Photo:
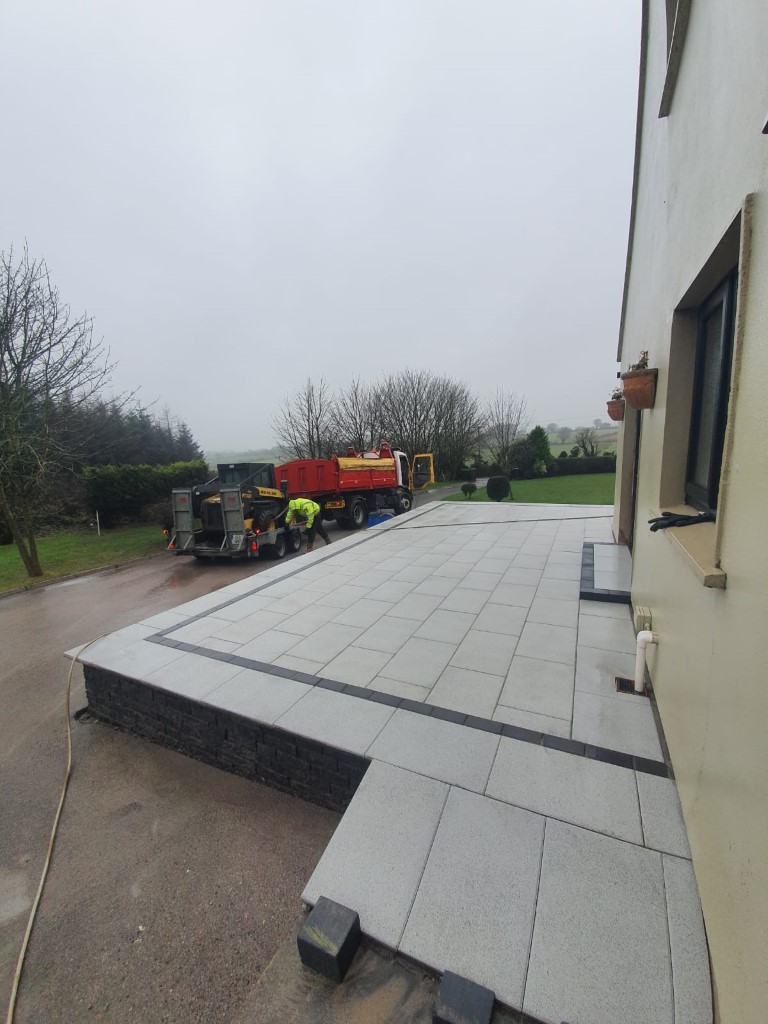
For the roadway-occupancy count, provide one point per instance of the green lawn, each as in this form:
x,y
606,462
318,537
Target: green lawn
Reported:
x,y
589,489
79,550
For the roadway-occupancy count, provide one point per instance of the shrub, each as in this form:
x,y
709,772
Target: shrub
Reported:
x,y
563,454
554,469
498,488
120,493
575,452
468,489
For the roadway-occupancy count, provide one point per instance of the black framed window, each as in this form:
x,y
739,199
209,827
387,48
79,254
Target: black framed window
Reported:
x,y
711,387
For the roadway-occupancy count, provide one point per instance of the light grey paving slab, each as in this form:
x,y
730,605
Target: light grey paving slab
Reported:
x,y
663,825
565,558
391,591
492,563
605,609
398,688
480,581
192,675
436,585
626,725
553,571
438,749
356,665
387,634
501,618
452,570
269,645
314,668
596,672
293,603
136,660
527,560
688,943
420,661
244,630
308,620
362,613
336,719
94,651
257,695
244,607
345,596
327,642
447,626
607,634
612,579
430,560
530,720
522,577
206,603
212,643
548,643
472,692
372,578
554,612
164,620
413,574
542,687
598,900
559,590
416,606
461,600
485,652
474,909
594,794
325,584
518,595
375,859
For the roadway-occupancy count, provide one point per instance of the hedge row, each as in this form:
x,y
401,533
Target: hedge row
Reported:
x,y
590,464
121,492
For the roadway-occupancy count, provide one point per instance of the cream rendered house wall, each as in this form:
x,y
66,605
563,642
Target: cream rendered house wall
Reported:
x,y
710,668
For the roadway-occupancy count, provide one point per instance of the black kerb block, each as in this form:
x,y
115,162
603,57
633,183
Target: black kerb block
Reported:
x,y
460,1001
329,938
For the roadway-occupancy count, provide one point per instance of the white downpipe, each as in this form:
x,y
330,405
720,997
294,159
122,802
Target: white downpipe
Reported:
x,y
644,637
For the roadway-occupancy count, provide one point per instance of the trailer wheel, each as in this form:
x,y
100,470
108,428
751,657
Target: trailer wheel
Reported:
x,y
276,550
358,514
294,541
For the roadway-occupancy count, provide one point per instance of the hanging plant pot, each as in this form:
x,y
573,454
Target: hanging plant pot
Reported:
x,y
616,409
640,388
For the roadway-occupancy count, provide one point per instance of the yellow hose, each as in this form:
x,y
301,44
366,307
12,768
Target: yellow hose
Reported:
x,y
51,841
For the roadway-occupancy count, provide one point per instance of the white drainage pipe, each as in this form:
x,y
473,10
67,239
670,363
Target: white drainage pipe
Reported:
x,y
644,637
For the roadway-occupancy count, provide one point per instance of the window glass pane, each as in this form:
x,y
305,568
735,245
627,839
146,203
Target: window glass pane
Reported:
x,y
711,357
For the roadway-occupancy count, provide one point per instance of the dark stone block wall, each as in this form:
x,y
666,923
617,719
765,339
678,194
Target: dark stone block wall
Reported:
x,y
302,767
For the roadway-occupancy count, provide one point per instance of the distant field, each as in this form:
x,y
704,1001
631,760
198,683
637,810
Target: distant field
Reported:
x,y
79,550
589,489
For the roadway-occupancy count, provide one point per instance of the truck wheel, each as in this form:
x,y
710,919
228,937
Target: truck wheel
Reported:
x,y
403,503
358,514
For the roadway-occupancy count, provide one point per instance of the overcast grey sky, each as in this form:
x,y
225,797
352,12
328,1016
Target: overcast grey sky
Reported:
x,y
244,194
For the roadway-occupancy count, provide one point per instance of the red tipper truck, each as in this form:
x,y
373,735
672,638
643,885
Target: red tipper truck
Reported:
x,y
348,488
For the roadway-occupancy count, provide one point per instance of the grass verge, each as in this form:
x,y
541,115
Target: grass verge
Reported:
x,y
589,489
78,551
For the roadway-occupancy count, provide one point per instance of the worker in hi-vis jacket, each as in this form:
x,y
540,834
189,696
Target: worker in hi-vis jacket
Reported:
x,y
307,511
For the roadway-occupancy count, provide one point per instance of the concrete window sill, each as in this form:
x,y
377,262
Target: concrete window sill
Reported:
x,y
696,546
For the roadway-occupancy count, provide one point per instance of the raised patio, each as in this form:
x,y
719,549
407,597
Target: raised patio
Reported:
x,y
516,824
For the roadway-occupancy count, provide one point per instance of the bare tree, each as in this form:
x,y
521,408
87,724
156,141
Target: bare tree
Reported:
x,y
507,421
563,433
50,368
587,442
304,427
357,417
